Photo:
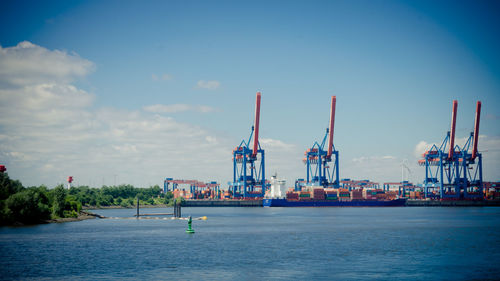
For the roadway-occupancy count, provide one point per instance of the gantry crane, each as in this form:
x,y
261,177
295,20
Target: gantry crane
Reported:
x,y
249,179
456,173
318,158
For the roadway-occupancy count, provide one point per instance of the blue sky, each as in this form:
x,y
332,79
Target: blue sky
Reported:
x,y
187,72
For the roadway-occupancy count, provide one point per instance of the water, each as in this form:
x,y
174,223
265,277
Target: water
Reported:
x,y
262,244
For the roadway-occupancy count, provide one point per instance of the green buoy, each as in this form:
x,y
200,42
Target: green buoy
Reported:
x,y
189,230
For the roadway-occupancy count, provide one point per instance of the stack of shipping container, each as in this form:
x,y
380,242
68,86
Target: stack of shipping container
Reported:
x,y
416,195
343,194
369,194
304,195
357,194
318,193
291,195
331,194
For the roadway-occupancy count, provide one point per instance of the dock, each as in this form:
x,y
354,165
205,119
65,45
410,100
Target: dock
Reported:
x,y
409,203
222,203
452,203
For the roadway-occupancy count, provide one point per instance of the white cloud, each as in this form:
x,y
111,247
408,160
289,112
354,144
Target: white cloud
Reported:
x,y
28,64
210,85
275,144
211,139
125,148
420,148
50,129
369,159
174,108
283,158
377,168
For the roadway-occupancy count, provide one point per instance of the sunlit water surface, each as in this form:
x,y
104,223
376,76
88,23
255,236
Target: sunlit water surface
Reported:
x,y
262,244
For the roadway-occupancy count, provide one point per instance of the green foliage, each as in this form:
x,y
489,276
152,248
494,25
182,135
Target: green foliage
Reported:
x,y
125,203
27,206
72,204
8,186
169,199
150,201
70,214
59,203
104,200
122,195
169,195
34,204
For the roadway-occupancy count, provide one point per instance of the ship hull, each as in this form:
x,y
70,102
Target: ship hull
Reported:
x,y
332,203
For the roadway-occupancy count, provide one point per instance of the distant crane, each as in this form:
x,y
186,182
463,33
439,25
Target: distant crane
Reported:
x,y
249,178
404,166
317,158
456,172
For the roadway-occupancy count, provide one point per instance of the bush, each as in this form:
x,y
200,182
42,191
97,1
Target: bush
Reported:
x,y
104,200
28,206
59,204
125,203
8,187
33,204
169,195
70,214
72,205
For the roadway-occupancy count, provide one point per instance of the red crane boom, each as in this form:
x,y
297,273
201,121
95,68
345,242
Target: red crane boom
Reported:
x,y
452,133
476,130
256,125
332,124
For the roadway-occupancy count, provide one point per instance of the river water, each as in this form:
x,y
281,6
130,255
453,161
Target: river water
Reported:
x,y
262,244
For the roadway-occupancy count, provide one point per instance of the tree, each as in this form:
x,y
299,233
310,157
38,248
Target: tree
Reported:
x,y
169,198
27,206
59,203
8,186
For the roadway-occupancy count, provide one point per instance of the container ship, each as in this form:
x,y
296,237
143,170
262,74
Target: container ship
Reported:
x,y
277,202
332,197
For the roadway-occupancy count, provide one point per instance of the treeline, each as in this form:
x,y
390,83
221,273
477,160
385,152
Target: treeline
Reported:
x,y
31,205
124,195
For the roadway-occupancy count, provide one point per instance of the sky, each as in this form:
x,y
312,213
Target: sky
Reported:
x,y
114,92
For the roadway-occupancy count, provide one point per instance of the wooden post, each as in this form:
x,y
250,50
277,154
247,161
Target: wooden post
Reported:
x,y
175,209
137,206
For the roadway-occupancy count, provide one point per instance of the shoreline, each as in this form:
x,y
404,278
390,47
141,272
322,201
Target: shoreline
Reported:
x,y
82,216
258,203
121,207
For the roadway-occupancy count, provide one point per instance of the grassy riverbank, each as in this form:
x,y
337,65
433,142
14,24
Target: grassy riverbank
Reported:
x,y
81,216
21,205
